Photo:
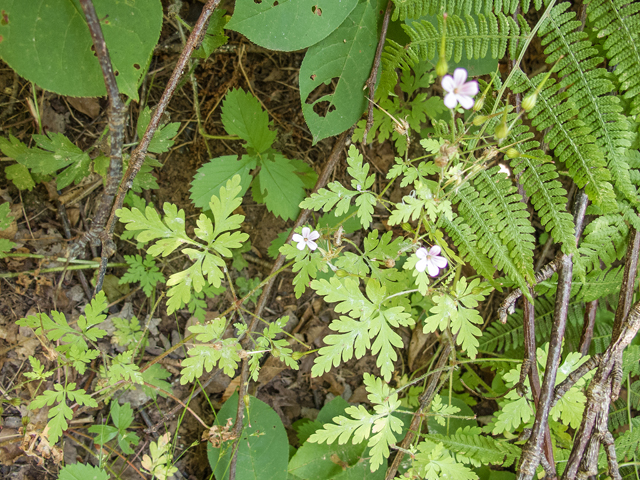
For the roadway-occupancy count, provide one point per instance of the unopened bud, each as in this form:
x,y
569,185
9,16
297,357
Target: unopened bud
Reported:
x,y
342,273
501,131
298,355
529,102
247,399
479,120
25,421
479,104
442,67
512,153
390,263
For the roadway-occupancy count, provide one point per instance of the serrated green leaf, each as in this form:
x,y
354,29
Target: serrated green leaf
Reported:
x,y
80,471
242,115
282,188
55,33
216,173
289,25
335,57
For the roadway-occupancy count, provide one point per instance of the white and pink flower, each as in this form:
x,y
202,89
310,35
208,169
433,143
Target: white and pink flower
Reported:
x,y
459,90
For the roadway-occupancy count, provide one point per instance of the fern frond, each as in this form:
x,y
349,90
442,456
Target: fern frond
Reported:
x,y
604,239
538,177
467,243
495,31
569,138
478,447
590,89
417,8
618,415
512,219
510,336
618,21
479,215
597,284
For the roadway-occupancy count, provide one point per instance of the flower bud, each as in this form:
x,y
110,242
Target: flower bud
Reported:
x,y
529,102
298,355
247,400
25,421
512,153
342,273
501,131
390,263
479,104
442,67
479,120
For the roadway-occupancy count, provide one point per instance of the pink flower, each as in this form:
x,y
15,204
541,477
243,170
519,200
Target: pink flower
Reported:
x,y
459,90
431,261
306,239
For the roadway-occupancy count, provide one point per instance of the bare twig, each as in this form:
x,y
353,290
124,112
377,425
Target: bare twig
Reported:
x,y
531,451
600,393
587,327
266,292
627,289
116,131
371,81
138,155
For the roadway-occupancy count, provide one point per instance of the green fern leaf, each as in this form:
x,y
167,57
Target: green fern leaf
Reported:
x,y
590,90
479,215
478,447
618,22
570,138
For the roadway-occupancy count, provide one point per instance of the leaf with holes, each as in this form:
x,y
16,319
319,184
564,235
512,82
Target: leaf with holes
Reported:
x,y
48,42
346,55
290,24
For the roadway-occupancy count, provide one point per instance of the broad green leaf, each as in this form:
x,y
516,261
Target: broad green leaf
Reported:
x,y
242,115
156,375
291,24
48,42
347,55
321,461
282,188
214,174
79,471
263,449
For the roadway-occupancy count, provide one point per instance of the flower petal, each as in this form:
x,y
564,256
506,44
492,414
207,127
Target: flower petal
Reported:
x,y
466,102
421,265
432,269
312,245
297,238
435,250
447,83
439,262
421,253
301,245
313,235
469,88
459,76
450,100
